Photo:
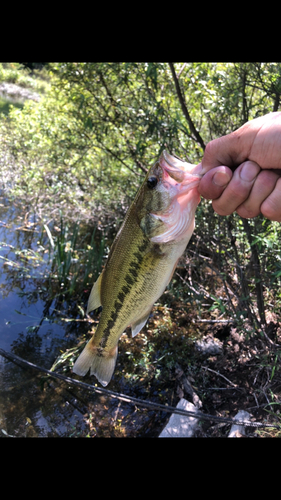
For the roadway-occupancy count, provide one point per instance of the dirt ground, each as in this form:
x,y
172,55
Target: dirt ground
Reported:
x,y
222,373
244,374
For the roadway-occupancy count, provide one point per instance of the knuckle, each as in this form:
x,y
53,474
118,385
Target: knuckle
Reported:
x,y
221,209
269,211
271,207
247,212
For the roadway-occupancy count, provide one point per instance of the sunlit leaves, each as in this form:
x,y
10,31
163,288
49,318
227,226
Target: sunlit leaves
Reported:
x,y
102,124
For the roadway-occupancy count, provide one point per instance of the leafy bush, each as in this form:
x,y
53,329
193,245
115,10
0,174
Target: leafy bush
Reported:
x,y
85,147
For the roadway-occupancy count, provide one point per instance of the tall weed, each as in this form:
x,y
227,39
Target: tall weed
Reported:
x,y
76,258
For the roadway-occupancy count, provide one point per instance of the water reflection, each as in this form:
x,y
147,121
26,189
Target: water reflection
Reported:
x,y
31,326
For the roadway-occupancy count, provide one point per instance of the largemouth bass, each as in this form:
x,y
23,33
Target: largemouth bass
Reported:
x,y
142,260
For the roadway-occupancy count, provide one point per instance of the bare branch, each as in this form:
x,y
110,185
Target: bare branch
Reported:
x,y
181,70
193,130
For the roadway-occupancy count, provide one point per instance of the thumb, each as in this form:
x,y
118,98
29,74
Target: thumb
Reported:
x,y
214,182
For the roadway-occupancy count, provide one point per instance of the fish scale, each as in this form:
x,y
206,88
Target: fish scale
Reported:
x,y
138,269
133,287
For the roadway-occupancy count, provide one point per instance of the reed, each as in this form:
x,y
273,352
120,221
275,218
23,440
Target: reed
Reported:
x,y
76,257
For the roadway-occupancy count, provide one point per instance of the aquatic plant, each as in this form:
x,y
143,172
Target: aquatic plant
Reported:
x,y
76,259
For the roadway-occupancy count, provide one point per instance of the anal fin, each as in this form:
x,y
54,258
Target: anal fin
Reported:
x,y
139,324
95,296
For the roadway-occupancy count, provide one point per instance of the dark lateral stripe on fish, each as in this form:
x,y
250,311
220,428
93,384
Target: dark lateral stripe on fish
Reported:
x,y
126,290
130,279
117,307
143,246
121,296
110,324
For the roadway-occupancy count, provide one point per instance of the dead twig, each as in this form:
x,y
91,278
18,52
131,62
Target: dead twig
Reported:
x,y
220,375
212,321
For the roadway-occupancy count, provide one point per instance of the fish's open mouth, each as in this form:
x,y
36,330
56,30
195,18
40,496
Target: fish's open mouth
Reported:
x,y
180,171
180,183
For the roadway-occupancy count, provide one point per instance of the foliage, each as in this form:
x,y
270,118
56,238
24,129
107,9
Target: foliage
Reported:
x,y
17,74
100,125
84,148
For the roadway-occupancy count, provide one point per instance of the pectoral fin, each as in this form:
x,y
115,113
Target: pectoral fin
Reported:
x,y
95,296
138,325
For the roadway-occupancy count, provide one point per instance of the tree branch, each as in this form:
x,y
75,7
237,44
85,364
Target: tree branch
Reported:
x,y
257,269
193,130
102,146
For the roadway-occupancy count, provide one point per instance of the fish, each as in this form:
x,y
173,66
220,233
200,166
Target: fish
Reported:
x,y
155,232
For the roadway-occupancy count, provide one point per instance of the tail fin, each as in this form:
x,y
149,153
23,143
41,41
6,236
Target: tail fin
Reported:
x,y
102,366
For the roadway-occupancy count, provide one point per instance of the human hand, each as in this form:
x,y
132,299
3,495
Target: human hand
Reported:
x,y
254,153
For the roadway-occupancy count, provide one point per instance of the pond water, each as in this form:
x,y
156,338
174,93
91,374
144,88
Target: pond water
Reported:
x,y
29,326
39,325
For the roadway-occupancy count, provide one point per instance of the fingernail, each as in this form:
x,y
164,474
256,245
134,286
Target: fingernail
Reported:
x,y
249,171
221,179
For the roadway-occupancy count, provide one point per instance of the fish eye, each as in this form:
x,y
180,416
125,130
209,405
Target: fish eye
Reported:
x,y
152,182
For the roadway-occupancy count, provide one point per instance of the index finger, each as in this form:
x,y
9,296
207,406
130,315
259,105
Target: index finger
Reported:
x,y
257,140
229,150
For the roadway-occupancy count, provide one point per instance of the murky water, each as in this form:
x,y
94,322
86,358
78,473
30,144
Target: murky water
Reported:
x,y
38,325
29,324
